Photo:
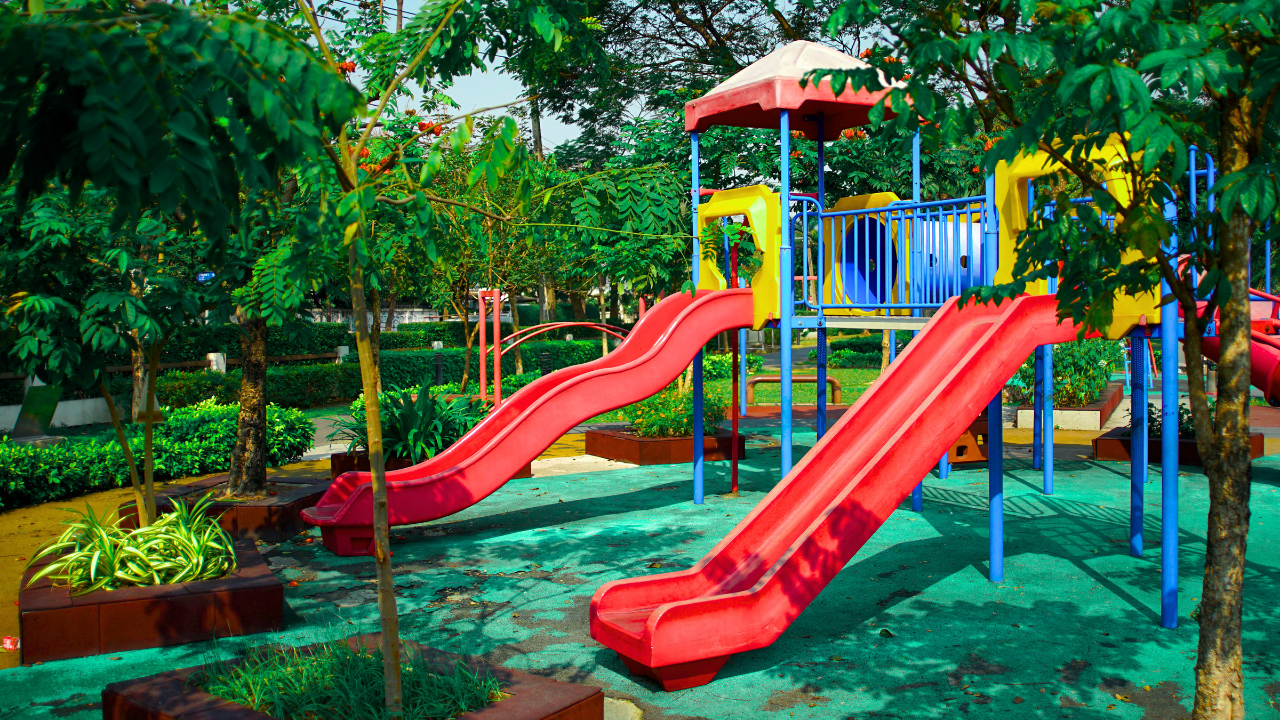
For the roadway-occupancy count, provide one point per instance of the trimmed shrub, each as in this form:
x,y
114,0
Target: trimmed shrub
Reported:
x,y
720,366
300,386
410,368
179,389
193,441
1081,371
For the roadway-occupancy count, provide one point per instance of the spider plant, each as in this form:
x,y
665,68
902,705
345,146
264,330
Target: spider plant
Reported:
x,y
184,545
416,424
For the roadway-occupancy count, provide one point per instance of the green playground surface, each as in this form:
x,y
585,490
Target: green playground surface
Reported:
x,y
911,628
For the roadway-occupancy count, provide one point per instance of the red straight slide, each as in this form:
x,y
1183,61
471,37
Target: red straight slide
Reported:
x,y
655,352
680,628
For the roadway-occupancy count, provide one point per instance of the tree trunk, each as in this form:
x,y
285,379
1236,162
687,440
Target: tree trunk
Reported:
x,y
387,613
579,305
515,328
542,299
535,126
553,310
148,431
884,349
375,331
391,311
248,474
468,337
139,498
138,363
399,15
604,337
615,310
1225,449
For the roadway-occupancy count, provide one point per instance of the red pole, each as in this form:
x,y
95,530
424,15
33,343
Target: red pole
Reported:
x,y
483,360
733,398
497,348
641,308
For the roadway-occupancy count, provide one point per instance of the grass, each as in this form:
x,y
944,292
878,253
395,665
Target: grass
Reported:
x,y
333,680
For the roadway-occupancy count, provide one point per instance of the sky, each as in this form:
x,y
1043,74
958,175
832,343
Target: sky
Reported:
x,y
493,88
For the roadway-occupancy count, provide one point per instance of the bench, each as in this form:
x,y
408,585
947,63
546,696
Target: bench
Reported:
x,y
754,380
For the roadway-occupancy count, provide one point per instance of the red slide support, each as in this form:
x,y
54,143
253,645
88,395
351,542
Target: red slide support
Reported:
x,y
657,350
680,628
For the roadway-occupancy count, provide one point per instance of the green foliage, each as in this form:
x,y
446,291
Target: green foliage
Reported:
x,y
1186,426
415,425
162,104
407,368
12,392
670,414
194,441
1081,371
184,545
301,386
334,680
720,366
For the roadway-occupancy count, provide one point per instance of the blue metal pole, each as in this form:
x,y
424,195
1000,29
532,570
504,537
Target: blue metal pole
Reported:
x,y
915,167
821,425
995,487
1046,423
698,460
787,270
1037,407
1138,437
1169,451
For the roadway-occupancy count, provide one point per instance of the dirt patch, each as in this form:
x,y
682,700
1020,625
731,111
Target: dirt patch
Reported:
x,y
1158,702
806,696
1070,673
974,665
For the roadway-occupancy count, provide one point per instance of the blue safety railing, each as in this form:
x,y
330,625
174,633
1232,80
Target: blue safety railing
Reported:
x,y
906,255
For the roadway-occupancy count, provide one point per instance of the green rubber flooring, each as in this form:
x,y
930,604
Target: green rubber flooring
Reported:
x,y
911,628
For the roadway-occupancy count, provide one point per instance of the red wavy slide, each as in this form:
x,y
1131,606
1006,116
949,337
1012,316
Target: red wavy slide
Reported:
x,y
1264,352
680,628
655,352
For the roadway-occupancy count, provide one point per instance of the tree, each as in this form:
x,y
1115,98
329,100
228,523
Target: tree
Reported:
x,y
1149,79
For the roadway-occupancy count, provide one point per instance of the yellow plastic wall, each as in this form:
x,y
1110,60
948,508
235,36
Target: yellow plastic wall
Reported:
x,y
762,209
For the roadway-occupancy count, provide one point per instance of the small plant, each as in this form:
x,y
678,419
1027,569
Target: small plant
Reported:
x,y
416,425
670,414
1186,428
333,680
1081,371
720,367
181,546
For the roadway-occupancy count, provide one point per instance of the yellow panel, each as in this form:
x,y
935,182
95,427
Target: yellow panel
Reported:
x,y
1012,185
762,209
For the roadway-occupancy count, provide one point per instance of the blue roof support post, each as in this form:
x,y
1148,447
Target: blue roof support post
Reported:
x,y
821,421
917,495
1138,436
1169,402
699,468
995,409
787,269
1046,422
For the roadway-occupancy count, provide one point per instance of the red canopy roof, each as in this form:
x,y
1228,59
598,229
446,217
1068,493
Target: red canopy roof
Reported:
x,y
756,96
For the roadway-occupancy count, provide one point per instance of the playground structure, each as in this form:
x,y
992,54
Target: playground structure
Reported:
x,y
871,262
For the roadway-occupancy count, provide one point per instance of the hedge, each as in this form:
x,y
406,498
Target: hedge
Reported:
x,y
1081,371
299,386
193,441
406,368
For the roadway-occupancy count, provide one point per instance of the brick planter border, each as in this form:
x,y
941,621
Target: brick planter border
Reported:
x,y
1115,447
168,696
56,626
628,447
271,519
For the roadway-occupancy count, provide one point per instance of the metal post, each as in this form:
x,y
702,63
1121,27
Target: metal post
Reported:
x,y
1037,407
915,167
484,360
1046,424
1169,450
1137,439
698,460
995,488
497,347
787,270
820,426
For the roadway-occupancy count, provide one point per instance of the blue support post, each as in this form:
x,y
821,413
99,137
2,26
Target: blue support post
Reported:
x,y
1169,451
1046,422
915,167
742,364
698,460
787,270
821,425
995,489
1037,407
1138,439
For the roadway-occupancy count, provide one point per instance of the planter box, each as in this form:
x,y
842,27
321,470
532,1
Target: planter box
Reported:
x,y
628,447
1115,447
345,462
56,626
168,696
275,518
971,447
1094,416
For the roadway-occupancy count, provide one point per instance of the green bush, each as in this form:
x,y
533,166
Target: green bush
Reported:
x,y
196,440
1081,371
415,425
300,386
409,368
720,366
853,359
670,414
